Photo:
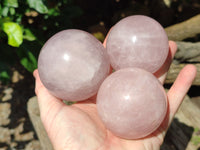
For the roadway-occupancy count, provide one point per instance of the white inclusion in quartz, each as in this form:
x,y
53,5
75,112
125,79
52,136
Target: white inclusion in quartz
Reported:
x,y
66,57
127,97
134,39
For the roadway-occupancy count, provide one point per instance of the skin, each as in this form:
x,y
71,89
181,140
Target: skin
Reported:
x,y
78,127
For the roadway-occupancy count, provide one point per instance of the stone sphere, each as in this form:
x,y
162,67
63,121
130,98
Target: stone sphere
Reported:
x,y
132,103
137,41
72,64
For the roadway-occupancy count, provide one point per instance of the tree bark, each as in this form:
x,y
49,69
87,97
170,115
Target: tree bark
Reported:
x,y
185,129
187,52
176,68
183,30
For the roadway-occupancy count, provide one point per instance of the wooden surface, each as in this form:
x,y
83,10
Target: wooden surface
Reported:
x,y
183,30
187,52
34,114
184,133
176,68
189,114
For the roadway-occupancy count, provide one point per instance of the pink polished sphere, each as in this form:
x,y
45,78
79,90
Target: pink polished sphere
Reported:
x,y
132,103
137,41
72,64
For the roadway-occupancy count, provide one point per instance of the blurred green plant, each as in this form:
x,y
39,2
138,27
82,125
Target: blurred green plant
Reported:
x,y
24,27
196,137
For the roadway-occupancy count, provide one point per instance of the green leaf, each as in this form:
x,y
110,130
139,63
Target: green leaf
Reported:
x,y
3,20
53,12
11,3
69,102
99,36
28,54
32,59
4,70
38,5
195,140
4,11
27,58
4,74
12,10
29,62
14,33
0,10
28,35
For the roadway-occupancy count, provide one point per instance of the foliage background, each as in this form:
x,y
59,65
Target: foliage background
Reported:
x,y
25,26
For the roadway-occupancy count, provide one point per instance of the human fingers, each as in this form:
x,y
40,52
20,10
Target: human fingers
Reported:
x,y
162,72
46,101
180,88
175,96
105,40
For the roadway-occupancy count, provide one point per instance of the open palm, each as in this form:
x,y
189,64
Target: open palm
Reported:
x,y
78,127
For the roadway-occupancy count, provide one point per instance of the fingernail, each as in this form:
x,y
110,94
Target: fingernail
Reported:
x,y
34,73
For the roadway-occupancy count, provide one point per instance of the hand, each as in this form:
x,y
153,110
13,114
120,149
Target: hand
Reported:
x,y
78,127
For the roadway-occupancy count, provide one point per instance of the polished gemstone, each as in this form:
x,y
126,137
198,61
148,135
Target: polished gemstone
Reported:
x,y
137,41
72,64
132,103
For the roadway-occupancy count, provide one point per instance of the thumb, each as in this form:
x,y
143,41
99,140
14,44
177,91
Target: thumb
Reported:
x,y
48,104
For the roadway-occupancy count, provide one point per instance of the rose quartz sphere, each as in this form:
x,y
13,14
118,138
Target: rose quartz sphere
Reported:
x,y
137,41
132,103
72,64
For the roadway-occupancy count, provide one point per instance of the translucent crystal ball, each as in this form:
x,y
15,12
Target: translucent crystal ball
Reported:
x,y
132,103
72,64
137,41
